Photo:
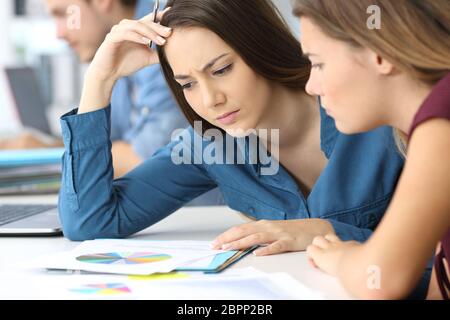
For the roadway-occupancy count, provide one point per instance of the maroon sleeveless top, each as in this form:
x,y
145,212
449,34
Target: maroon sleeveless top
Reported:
x,y
437,105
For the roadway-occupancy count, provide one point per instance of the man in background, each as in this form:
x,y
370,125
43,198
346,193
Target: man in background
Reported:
x,y
143,112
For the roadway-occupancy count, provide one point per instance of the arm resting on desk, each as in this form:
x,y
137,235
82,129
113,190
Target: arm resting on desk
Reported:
x,y
92,205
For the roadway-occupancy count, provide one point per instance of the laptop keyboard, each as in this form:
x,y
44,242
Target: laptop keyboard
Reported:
x,y
11,213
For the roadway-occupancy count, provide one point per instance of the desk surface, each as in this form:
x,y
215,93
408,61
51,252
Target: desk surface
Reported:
x,y
191,223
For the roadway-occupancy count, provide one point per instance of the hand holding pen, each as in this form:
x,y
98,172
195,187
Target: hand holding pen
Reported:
x,y
155,13
124,51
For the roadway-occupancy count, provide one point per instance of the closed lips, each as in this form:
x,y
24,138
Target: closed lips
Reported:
x,y
226,115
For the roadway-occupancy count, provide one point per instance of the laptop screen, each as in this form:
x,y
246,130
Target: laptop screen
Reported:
x,y
30,103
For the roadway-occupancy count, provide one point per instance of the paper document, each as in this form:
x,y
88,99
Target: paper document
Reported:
x,y
131,257
235,284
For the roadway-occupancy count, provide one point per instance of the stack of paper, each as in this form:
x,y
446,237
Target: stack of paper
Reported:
x,y
30,171
235,284
138,269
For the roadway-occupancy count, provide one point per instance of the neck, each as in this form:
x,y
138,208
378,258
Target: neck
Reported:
x,y
404,107
294,113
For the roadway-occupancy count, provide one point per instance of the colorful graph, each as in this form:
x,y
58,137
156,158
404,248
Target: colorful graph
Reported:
x,y
124,258
160,276
103,289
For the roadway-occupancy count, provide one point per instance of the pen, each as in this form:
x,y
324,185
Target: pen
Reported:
x,y
155,12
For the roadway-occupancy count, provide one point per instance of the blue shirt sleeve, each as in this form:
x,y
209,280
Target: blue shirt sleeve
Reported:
x,y
92,205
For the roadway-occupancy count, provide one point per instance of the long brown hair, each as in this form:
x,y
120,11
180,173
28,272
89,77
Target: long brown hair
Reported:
x,y
254,29
414,34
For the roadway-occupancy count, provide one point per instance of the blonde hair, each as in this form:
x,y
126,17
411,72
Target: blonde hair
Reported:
x,y
414,34
401,141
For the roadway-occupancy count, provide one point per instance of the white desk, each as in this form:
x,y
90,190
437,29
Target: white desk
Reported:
x,y
186,224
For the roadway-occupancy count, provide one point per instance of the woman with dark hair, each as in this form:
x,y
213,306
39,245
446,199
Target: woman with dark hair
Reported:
x,y
235,68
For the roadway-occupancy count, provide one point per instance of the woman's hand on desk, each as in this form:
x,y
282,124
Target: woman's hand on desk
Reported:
x,y
280,236
124,51
326,252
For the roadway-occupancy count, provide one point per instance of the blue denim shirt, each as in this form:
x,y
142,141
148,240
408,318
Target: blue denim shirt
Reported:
x,y
144,113
352,192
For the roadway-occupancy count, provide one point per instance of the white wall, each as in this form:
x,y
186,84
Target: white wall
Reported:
x,y
9,121
6,52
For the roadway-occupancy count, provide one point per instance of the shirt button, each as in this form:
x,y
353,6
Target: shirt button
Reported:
x,y
251,211
145,111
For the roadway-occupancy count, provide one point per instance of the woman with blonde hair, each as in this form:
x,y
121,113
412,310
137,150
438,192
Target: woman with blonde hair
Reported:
x,y
378,63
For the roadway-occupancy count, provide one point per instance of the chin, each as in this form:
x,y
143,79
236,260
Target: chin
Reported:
x,y
347,128
237,133
240,131
342,128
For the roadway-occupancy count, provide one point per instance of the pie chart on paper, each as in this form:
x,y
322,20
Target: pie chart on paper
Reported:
x,y
103,289
123,258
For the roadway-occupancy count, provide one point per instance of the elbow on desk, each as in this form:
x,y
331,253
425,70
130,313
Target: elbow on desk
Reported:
x,y
75,231
79,228
75,226
75,234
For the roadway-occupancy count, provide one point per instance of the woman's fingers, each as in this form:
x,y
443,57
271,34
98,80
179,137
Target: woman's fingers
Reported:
x,y
313,251
332,237
152,32
155,27
161,14
277,247
246,242
321,242
127,35
234,234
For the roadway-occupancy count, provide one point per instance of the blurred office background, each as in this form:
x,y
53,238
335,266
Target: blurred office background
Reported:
x,y
28,38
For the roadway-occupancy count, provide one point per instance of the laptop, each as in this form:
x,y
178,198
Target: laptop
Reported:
x,y
28,98
29,220
35,219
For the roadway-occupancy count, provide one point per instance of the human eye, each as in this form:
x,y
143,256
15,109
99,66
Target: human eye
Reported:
x,y
224,70
187,86
318,66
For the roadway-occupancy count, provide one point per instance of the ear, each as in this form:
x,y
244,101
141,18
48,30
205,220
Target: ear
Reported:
x,y
381,64
103,6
